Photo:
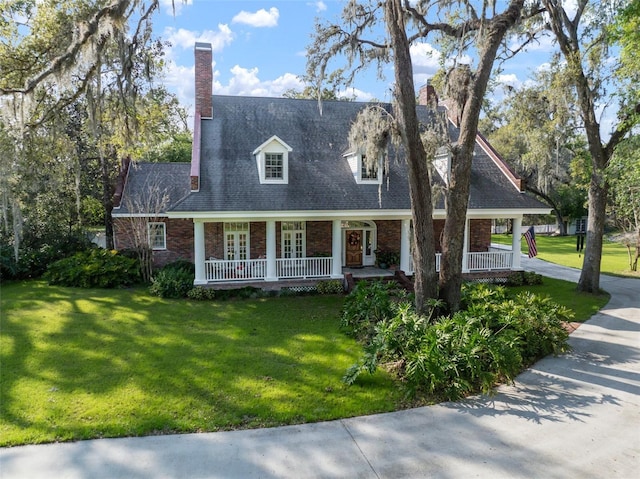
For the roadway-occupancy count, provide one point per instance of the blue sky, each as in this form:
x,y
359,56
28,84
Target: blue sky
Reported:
x,y
259,48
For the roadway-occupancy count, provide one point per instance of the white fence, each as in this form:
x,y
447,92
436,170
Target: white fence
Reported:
x,y
256,269
484,261
489,261
237,270
303,267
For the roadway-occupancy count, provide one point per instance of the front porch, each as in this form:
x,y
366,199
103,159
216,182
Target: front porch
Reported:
x,y
255,270
275,251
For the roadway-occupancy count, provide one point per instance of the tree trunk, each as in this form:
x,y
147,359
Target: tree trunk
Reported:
x,y
425,276
107,200
589,281
457,195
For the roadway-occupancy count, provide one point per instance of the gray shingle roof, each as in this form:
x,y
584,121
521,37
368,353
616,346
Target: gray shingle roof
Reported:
x,y
151,184
319,175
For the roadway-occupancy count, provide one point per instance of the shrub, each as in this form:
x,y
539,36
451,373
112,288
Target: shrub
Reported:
x,y
96,268
172,282
331,286
182,265
492,340
201,294
36,254
367,305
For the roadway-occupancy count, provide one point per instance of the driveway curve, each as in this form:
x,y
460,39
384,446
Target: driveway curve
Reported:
x,y
573,416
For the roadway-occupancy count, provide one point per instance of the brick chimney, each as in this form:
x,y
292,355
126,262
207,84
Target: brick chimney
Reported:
x,y
427,95
204,79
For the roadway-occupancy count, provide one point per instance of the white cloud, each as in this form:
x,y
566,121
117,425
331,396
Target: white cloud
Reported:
x,y
355,94
261,18
174,7
509,80
425,58
186,39
320,6
246,82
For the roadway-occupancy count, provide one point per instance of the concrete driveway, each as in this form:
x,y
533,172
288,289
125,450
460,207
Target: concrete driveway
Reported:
x,y
574,416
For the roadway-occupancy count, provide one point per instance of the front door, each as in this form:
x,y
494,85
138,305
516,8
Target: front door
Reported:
x,y
353,255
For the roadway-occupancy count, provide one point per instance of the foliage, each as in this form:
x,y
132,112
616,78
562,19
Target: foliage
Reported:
x,y
37,252
331,286
387,257
492,340
524,278
201,294
172,281
367,305
96,268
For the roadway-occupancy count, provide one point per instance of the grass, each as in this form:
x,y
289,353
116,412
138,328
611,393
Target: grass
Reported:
x,y
562,250
583,305
80,364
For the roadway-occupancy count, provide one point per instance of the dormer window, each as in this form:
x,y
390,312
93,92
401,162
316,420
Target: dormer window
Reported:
x,y
362,173
274,166
272,158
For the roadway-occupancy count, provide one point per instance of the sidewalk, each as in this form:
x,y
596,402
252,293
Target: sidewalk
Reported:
x,y
574,416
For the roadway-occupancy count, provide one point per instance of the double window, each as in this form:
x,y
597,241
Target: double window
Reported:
x,y
157,234
293,239
236,241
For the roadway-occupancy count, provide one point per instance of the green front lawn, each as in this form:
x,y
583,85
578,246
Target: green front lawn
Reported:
x,y
562,250
82,363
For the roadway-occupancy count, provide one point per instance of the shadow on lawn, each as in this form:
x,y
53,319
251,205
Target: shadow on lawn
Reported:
x,y
118,362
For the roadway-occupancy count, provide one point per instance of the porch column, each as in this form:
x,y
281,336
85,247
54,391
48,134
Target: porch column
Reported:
x,y
465,246
405,246
271,251
336,249
515,243
198,252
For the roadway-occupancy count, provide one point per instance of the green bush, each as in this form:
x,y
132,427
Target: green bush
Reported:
x,y
172,282
331,286
96,268
36,254
367,305
492,340
201,294
182,265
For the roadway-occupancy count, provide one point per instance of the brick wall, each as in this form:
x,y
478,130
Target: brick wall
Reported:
x,y
258,239
319,234
179,238
389,232
480,235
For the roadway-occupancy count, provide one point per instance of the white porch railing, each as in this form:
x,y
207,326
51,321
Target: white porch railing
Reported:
x,y
235,270
484,261
489,261
303,267
256,269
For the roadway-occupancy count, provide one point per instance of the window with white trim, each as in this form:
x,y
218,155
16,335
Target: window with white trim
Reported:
x,y
272,159
361,172
236,237
293,239
157,234
274,166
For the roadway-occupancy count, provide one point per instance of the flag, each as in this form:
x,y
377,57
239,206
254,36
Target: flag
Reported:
x,y
530,236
